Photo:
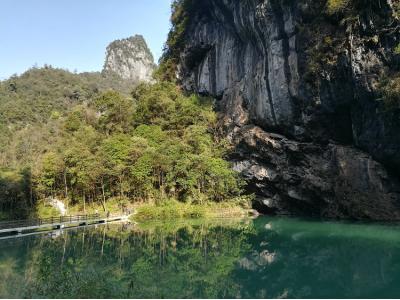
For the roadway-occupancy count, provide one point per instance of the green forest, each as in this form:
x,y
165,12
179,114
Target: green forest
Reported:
x,y
84,139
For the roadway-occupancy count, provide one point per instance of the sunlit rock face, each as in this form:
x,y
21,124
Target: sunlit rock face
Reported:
x,y
298,93
130,59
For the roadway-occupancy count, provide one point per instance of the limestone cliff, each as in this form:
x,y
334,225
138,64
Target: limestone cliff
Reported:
x,y
130,59
298,88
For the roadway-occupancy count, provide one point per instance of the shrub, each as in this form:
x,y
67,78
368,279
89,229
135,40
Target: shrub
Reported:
x,y
396,10
390,91
44,210
171,209
335,6
397,49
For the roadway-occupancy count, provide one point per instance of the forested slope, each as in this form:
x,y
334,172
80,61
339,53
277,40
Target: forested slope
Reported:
x,y
84,139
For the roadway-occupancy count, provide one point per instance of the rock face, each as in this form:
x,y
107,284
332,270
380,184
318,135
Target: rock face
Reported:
x,y
130,59
298,93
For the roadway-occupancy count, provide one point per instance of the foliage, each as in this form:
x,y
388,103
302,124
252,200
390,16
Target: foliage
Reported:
x,y
14,192
38,94
396,10
397,49
173,210
182,11
155,145
33,105
44,210
328,29
335,6
390,92
115,206
116,112
170,210
3,216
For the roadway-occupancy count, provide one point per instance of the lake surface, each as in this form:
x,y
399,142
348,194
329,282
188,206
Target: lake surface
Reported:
x,y
262,258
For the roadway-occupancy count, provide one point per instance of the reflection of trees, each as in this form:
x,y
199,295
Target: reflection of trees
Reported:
x,y
267,258
193,261
8,280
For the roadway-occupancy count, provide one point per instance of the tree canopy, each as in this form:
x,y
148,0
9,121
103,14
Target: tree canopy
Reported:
x,y
151,145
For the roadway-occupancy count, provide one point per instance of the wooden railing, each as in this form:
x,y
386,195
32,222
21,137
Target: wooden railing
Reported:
x,y
49,221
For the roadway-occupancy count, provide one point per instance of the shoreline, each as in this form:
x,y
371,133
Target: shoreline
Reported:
x,y
176,210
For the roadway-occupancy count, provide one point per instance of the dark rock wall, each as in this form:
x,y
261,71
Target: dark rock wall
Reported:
x,y
298,93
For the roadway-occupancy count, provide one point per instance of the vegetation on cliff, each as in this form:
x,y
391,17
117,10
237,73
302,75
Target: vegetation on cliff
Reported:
x,y
182,11
342,27
390,92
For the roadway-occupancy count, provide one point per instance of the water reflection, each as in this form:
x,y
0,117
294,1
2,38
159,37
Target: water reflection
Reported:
x,y
264,258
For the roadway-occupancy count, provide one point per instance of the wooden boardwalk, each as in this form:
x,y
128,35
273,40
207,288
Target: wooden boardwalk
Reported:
x,y
24,226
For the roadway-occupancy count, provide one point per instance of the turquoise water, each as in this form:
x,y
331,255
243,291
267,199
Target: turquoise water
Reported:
x,y
262,258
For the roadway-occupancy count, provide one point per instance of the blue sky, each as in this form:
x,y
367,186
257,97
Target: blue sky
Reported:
x,y
74,34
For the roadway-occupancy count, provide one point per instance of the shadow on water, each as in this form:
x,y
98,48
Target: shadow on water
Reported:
x,y
262,258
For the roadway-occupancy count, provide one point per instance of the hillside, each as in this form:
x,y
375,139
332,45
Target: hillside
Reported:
x,y
98,140
33,101
39,97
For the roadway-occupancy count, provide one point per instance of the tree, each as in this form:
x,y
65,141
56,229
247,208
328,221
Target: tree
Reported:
x,y
117,158
155,146
116,112
51,167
